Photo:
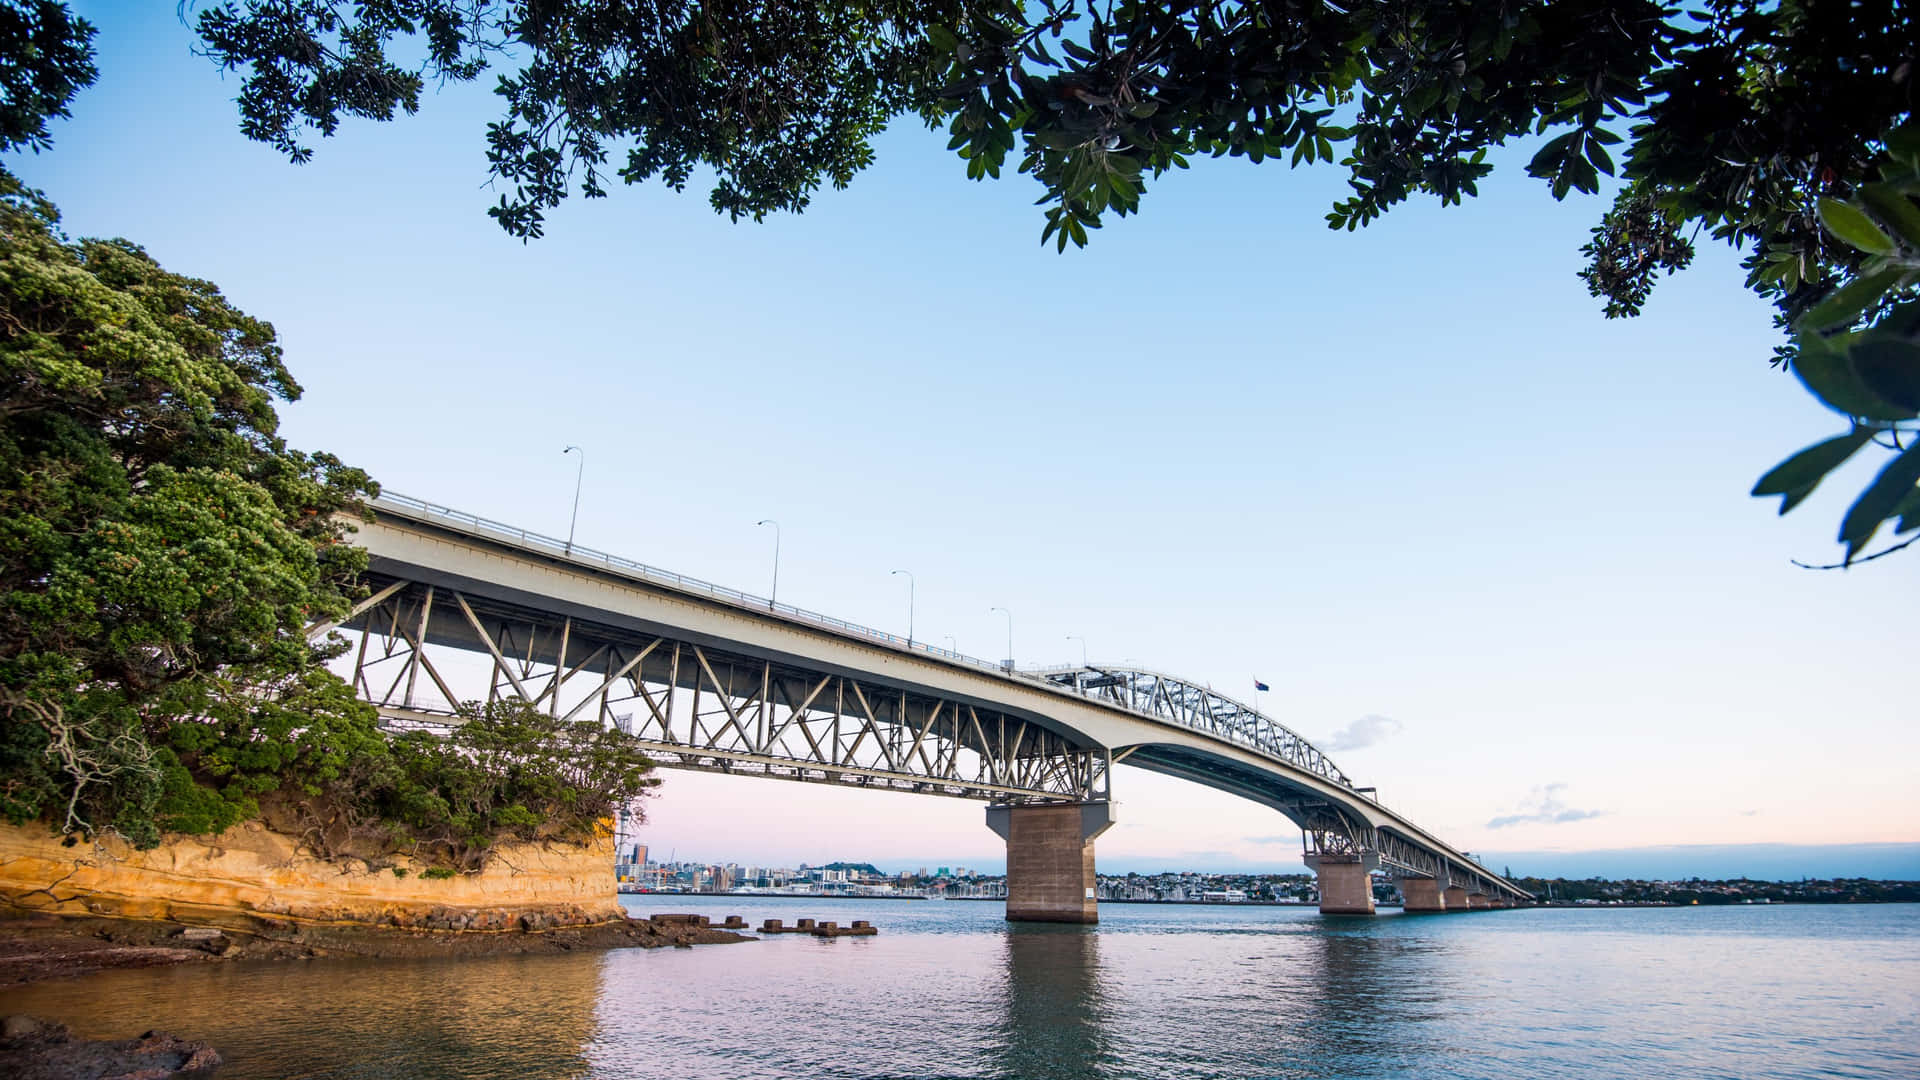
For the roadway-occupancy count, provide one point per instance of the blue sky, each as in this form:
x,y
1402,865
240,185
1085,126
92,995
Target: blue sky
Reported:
x,y
1408,472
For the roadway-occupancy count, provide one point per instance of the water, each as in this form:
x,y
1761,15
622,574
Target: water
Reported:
x,y
950,990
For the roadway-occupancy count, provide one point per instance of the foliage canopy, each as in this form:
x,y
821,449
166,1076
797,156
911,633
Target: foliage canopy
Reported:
x,y
1737,117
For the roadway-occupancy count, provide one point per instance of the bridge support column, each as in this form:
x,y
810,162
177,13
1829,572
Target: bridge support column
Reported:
x,y
1422,894
1346,882
1050,875
1455,898
1479,901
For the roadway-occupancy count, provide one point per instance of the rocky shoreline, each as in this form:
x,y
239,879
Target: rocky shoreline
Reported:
x,y
34,1049
36,947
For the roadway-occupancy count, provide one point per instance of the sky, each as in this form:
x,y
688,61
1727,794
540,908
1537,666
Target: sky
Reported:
x,y
1494,548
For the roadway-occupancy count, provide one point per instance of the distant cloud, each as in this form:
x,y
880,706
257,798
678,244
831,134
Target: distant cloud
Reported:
x,y
1542,806
1363,733
1748,813
1292,839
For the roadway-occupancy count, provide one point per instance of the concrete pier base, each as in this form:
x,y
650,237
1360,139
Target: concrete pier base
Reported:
x,y
1422,894
1455,898
1346,884
1479,901
1050,876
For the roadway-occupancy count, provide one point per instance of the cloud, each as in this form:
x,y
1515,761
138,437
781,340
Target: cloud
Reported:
x,y
1748,813
1542,806
1363,733
1293,839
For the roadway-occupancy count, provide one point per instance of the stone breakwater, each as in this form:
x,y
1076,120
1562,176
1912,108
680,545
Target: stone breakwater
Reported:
x,y
251,878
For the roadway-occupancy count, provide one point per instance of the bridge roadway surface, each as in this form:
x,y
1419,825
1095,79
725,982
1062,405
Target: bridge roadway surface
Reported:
x,y
538,612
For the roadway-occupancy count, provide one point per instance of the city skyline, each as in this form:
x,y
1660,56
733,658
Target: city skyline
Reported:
x,y
1497,549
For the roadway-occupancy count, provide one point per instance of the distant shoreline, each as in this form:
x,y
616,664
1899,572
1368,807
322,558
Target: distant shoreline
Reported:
x,y
780,896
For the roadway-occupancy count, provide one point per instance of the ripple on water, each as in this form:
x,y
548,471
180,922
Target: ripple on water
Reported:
x,y
950,990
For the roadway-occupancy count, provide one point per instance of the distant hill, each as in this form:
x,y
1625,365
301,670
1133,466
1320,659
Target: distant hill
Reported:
x,y
864,868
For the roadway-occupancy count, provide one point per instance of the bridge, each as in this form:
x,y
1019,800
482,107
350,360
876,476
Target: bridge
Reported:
x,y
462,608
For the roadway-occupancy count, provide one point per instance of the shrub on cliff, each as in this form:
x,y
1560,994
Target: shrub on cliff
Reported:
x,y
510,770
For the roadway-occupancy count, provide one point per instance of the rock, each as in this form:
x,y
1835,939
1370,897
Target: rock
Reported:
x,y
200,933
35,1050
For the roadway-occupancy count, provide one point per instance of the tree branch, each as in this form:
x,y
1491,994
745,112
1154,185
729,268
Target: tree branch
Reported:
x,y
1843,565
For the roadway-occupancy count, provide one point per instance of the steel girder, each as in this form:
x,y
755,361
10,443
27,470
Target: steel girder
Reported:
x,y
1174,700
421,652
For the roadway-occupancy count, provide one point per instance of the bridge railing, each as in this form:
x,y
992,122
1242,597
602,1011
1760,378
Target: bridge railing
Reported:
x,y
474,524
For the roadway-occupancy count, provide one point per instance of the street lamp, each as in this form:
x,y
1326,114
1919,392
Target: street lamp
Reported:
x,y
1009,615
953,646
910,590
775,597
1083,647
578,475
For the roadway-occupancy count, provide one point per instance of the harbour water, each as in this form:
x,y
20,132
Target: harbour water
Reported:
x,y
948,989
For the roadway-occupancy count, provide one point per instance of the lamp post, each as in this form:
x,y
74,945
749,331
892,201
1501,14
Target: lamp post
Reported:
x,y
910,590
953,645
1083,647
774,597
1009,615
578,475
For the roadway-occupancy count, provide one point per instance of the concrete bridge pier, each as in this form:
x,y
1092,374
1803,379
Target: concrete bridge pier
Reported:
x,y
1455,897
1422,894
1479,901
1050,876
1346,882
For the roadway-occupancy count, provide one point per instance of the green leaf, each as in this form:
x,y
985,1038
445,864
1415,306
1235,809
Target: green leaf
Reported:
x,y
1852,225
1891,369
1891,205
1824,368
1909,511
1795,478
1598,155
1878,502
1847,302
1904,141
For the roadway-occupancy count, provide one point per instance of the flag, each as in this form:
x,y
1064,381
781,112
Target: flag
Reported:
x,y
1258,685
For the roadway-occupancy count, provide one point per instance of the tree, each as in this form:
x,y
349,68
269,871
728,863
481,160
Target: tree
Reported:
x,y
1731,116
161,548
1858,352
162,552
46,56
774,97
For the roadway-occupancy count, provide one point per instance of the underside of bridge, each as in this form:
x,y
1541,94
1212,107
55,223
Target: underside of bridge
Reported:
x,y
699,693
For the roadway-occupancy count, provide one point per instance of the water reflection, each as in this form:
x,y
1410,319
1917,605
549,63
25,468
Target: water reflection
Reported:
x,y
501,1017
1052,1026
951,992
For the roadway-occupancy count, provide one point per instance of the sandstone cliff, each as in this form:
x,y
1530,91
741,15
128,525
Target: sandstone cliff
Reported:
x,y
250,876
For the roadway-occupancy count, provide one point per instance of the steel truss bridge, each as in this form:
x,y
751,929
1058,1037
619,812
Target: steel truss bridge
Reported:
x,y
462,609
